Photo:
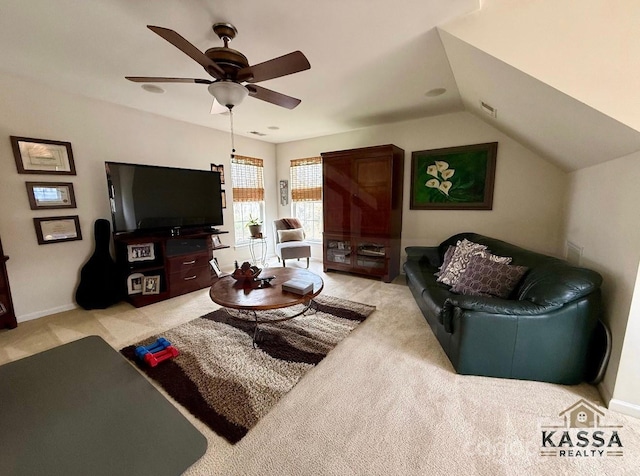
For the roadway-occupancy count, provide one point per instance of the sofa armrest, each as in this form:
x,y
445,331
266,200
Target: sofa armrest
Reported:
x,y
428,253
491,305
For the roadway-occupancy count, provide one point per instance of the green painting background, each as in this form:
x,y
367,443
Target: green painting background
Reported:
x,y
468,182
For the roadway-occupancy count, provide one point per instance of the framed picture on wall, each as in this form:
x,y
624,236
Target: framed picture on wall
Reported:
x,y
42,156
220,169
43,195
454,178
57,229
284,192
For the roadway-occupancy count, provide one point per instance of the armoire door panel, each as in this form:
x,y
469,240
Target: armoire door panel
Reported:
x,y
337,197
372,196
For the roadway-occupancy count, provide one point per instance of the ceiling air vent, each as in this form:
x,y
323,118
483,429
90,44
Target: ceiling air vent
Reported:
x,y
256,133
492,111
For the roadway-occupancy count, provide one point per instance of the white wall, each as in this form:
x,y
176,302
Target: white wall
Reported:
x,y
556,42
528,195
43,278
602,218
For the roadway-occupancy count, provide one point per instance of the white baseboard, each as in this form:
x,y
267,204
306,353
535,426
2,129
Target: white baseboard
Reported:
x,y
624,407
47,312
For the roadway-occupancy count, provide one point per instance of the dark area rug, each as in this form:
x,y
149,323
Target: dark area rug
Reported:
x,y
222,380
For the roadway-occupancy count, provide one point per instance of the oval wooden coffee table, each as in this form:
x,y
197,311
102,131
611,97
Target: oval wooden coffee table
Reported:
x,y
249,296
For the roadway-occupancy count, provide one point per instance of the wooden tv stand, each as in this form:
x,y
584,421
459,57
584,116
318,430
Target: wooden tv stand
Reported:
x,y
181,264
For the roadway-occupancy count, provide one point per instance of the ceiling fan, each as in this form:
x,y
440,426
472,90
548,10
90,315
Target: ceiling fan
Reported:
x,y
230,69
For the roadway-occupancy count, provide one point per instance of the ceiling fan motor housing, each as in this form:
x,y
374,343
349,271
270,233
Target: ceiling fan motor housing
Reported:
x,y
230,60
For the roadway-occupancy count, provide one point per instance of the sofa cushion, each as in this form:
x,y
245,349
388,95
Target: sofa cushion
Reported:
x,y
488,277
464,250
556,283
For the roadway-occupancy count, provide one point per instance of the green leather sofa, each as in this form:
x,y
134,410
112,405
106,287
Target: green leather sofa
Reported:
x,y
541,332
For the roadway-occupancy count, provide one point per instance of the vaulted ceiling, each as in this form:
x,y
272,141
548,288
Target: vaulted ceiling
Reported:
x,y
562,80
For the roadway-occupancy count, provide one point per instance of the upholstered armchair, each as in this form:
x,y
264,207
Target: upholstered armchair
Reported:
x,y
290,240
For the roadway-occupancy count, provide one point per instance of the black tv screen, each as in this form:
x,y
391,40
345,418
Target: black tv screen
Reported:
x,y
145,197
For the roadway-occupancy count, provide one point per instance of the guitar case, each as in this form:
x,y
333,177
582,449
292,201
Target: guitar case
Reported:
x,y
100,284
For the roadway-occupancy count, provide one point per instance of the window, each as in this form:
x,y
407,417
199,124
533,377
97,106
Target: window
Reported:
x,y
306,195
248,194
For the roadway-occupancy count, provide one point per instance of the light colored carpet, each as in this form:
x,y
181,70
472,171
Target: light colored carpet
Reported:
x,y
385,401
228,384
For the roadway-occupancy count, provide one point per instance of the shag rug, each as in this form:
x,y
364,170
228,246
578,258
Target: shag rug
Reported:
x,y
222,380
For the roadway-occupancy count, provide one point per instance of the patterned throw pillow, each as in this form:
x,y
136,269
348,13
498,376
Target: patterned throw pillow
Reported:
x,y
484,277
446,259
464,250
496,258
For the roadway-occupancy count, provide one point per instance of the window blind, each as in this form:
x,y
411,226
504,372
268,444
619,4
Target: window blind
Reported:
x,y
247,179
306,179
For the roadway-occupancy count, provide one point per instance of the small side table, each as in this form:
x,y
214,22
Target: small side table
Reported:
x,y
258,250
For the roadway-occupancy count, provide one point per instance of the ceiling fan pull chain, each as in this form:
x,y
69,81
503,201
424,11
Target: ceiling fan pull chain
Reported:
x,y
233,145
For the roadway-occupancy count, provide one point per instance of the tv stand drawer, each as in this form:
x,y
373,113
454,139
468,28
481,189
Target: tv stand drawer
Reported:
x,y
185,263
186,282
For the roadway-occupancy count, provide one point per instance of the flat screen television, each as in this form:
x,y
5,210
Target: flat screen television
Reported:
x,y
147,198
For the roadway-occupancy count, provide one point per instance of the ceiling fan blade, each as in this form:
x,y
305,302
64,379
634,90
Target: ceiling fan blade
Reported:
x,y
275,68
273,97
151,79
187,48
217,108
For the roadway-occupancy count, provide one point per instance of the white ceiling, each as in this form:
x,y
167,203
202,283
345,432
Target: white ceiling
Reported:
x,y
370,64
372,61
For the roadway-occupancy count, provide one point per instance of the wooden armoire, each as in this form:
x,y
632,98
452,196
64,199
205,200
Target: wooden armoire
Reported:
x,y
362,205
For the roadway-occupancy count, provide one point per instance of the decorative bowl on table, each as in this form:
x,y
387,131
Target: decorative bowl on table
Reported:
x,y
246,272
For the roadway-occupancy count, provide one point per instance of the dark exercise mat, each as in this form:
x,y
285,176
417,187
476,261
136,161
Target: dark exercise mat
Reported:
x,y
81,409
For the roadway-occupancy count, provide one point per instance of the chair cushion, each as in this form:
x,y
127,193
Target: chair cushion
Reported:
x,y
297,234
293,249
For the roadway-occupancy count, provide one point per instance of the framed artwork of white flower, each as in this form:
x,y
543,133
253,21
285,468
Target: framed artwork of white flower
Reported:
x,y
454,178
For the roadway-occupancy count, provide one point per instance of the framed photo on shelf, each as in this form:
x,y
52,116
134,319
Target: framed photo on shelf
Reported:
x,y
57,229
217,242
220,169
141,252
454,178
216,268
41,156
151,285
134,283
49,195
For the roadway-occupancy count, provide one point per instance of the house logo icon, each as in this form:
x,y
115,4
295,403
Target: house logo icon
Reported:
x,y
582,434
582,415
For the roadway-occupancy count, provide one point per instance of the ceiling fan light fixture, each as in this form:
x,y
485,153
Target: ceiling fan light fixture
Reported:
x,y
228,93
